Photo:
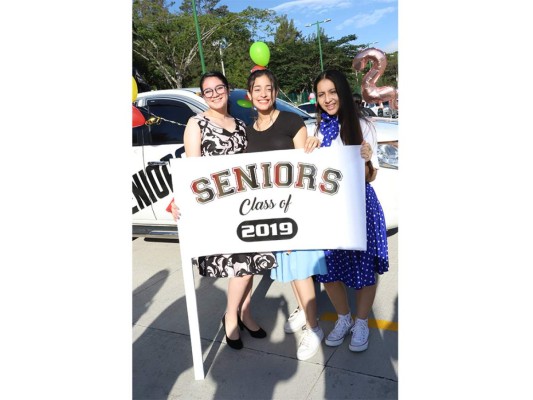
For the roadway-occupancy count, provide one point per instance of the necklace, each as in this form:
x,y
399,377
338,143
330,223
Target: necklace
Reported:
x,y
258,123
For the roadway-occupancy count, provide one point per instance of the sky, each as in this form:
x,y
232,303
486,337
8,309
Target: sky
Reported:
x,y
375,22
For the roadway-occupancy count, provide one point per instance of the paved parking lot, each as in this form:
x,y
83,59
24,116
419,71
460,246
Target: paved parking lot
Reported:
x,y
265,368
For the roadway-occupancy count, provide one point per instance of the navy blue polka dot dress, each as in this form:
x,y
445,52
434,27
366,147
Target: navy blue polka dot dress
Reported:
x,y
357,269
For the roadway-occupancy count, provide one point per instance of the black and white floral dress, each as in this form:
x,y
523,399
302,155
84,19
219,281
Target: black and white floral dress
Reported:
x,y
218,141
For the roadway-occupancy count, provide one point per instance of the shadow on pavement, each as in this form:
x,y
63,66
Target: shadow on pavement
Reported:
x,y
150,288
162,352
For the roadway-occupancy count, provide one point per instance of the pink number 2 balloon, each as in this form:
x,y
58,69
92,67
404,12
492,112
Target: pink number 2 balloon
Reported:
x,y
370,92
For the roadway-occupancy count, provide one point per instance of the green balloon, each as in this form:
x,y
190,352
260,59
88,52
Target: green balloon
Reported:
x,y
244,103
260,53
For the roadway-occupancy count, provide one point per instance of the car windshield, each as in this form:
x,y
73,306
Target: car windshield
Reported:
x,y
310,108
247,114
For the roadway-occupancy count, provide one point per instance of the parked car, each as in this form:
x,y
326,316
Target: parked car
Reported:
x,y
383,109
389,112
367,112
309,108
386,182
154,144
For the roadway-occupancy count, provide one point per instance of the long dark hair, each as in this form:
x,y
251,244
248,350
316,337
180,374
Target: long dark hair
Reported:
x,y
218,75
349,114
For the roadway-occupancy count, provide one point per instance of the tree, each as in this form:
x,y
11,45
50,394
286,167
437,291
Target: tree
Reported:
x,y
288,59
390,75
296,60
165,44
204,7
154,43
286,32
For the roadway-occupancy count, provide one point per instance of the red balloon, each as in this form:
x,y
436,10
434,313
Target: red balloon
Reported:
x,y
137,117
257,68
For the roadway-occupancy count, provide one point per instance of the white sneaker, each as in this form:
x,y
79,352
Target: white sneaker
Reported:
x,y
342,327
310,343
295,322
360,333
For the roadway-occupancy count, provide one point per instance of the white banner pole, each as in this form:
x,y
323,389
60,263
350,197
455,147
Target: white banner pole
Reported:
x,y
192,314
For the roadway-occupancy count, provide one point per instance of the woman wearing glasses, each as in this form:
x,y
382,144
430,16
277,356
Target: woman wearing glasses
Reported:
x,y
212,133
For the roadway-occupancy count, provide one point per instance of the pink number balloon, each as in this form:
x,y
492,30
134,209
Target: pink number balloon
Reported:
x,y
370,92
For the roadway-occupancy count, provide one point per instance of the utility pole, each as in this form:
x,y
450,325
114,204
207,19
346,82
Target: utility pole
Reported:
x,y
317,23
198,36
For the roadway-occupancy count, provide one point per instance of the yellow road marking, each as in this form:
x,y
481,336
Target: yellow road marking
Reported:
x,y
372,323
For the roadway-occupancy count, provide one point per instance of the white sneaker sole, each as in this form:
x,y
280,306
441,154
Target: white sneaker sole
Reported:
x,y
357,349
289,329
334,343
307,357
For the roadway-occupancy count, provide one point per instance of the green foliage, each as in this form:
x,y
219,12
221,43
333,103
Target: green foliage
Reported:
x,y
296,62
165,46
391,71
204,7
286,31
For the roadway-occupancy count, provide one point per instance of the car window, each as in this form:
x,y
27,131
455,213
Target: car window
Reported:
x,y
175,115
248,114
139,132
310,108
243,113
136,139
284,106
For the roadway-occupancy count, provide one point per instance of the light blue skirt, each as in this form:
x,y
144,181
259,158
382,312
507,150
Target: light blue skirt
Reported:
x,y
299,264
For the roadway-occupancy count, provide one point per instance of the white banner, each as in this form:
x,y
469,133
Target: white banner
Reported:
x,y
268,201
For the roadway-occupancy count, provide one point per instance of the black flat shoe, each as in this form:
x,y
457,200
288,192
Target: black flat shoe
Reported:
x,y
259,334
234,344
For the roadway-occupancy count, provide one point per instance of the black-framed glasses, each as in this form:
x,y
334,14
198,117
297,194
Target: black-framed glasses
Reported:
x,y
220,89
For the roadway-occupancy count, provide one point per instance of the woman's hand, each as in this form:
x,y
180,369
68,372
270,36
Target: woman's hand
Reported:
x,y
311,143
174,210
366,151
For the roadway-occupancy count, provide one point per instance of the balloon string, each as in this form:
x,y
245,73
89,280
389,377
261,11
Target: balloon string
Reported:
x,y
156,120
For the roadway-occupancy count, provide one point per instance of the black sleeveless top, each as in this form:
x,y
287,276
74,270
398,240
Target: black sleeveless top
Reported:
x,y
277,137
